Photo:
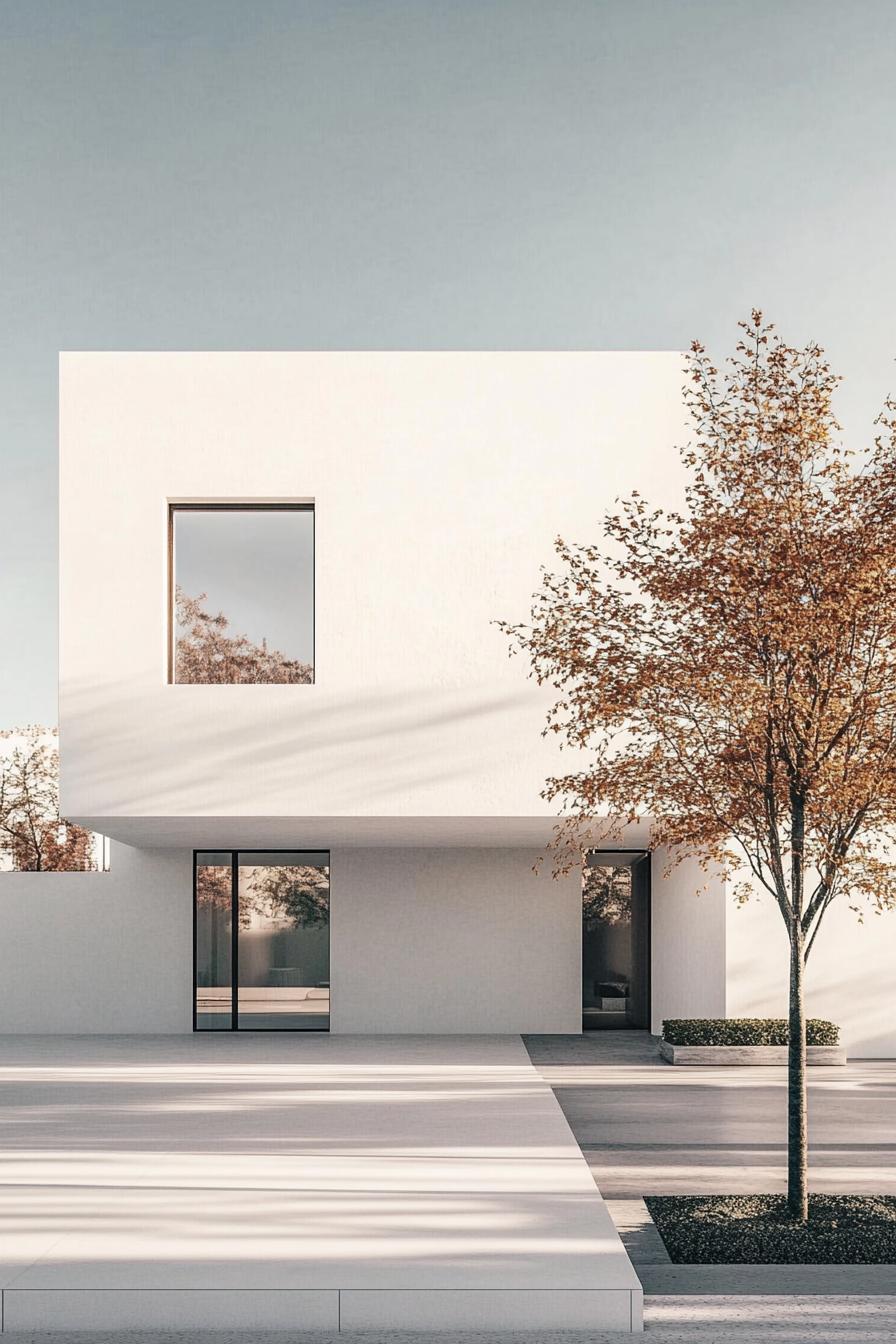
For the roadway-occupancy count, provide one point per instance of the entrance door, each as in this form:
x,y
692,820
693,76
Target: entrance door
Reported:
x,y
261,940
616,940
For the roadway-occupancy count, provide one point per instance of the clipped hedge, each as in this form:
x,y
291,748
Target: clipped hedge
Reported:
x,y
744,1031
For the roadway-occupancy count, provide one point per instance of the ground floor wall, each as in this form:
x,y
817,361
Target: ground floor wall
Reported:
x,y
687,944
421,940
453,940
429,940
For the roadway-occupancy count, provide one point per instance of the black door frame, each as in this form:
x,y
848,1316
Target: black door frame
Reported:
x,y
644,952
235,938
641,950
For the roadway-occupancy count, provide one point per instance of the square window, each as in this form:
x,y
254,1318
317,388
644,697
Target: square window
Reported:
x,y
241,594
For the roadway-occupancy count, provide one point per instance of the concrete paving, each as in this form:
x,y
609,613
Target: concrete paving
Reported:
x,y
647,1127
852,1281
771,1320
302,1183
639,1233
668,1320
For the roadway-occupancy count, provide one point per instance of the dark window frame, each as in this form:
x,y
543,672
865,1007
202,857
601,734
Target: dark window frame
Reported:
x,y
236,506
234,941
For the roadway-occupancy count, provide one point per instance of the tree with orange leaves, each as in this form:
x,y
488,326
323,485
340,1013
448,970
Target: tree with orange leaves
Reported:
x,y
298,894
730,670
32,835
207,651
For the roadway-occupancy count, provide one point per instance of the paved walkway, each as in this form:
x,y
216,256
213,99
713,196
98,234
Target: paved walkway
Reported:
x,y
668,1320
647,1127
296,1182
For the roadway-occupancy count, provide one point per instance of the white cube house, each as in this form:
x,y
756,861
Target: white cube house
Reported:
x,y
365,519
284,696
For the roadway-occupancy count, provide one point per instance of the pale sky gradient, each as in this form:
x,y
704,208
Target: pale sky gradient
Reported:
x,y
300,174
256,566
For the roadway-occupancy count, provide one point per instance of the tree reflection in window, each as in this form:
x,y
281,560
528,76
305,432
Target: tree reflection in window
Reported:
x,y
606,896
208,652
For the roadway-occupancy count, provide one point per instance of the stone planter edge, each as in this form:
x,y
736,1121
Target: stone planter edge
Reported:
x,y
746,1055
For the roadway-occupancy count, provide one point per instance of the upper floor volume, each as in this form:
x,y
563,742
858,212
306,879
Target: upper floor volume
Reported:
x,y
280,574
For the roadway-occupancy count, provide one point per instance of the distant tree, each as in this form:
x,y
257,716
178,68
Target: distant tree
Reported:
x,y
298,893
606,896
205,651
730,671
32,833
213,886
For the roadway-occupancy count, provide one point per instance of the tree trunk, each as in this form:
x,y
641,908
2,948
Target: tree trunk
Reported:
x,y
797,1117
797,1101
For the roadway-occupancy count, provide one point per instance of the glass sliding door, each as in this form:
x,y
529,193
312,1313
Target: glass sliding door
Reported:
x,y
213,915
284,941
278,972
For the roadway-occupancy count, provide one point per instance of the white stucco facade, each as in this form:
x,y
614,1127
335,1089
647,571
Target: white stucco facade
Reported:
x,y
689,911
416,759
98,952
453,940
439,482
849,976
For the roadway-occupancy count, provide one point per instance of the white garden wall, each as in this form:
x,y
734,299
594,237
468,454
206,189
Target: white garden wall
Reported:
x,y
98,952
850,978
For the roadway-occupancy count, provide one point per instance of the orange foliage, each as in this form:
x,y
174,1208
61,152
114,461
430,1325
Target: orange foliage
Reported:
x,y
31,831
206,651
730,671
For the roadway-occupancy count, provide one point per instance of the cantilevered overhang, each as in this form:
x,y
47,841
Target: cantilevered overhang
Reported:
x,y
323,832
330,832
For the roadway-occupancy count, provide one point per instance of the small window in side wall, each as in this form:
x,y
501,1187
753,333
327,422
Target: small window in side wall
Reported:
x,y
241,594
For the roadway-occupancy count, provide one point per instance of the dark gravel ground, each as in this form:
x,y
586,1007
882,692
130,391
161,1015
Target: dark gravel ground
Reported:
x,y
758,1229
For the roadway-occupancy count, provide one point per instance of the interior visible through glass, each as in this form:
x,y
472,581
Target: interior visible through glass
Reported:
x,y
284,941
214,1006
242,594
616,941
281,903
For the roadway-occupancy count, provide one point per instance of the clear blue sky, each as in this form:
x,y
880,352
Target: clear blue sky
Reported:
x,y
205,174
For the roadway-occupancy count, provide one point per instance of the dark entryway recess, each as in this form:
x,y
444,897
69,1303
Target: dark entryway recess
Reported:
x,y
616,940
